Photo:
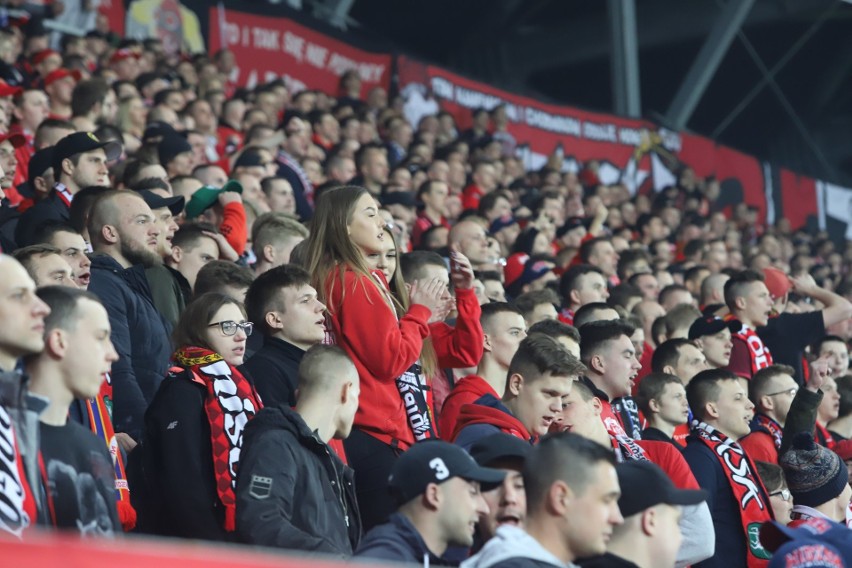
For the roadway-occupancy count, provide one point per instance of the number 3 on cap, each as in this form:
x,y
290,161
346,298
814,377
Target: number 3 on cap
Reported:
x,y
441,471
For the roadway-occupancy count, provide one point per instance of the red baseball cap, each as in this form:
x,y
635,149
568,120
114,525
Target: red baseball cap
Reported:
x,y
61,73
122,54
7,90
777,282
42,55
16,138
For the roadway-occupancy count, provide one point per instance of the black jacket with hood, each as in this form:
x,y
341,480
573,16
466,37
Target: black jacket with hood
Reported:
x,y
292,490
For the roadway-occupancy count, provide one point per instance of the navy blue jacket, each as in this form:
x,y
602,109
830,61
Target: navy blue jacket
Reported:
x,y
730,538
140,336
397,541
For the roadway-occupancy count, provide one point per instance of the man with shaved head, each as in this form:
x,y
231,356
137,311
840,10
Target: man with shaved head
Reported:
x,y
22,333
288,471
469,238
124,237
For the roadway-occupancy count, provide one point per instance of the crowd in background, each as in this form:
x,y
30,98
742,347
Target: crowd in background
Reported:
x,y
296,320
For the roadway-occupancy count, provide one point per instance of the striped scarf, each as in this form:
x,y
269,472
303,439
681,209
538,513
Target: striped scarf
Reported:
x,y
100,422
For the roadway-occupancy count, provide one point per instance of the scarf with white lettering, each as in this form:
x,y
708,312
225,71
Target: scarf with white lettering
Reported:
x,y
231,402
759,354
746,486
17,503
414,389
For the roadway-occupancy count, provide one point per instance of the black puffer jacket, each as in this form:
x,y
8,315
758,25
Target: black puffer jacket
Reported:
x,y
140,336
292,490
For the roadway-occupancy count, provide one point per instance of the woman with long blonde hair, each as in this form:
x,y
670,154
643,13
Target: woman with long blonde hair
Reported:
x,y
383,344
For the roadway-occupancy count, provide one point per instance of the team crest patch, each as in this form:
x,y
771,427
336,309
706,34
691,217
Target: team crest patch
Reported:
x,y
93,137
260,487
754,541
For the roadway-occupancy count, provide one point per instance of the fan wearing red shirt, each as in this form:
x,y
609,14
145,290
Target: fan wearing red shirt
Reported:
x,y
433,195
781,406
484,181
541,374
504,328
749,301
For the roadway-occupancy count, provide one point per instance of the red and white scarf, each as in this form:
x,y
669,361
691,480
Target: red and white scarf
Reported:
x,y
746,485
17,504
231,402
759,354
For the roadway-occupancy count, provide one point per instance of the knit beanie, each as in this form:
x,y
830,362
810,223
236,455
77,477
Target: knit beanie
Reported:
x,y
815,475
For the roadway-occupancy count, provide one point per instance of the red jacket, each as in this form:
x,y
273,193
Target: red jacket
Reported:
x,y
760,446
670,460
471,414
466,391
381,348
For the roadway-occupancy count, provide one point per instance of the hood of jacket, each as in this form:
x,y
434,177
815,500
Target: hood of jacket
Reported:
x,y
488,409
511,542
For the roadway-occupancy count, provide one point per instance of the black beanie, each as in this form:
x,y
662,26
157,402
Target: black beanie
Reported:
x,y
815,475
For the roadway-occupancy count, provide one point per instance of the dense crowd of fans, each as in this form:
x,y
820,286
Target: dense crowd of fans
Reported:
x,y
296,320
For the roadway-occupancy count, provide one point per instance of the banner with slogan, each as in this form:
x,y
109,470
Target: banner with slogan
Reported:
x,y
637,153
269,47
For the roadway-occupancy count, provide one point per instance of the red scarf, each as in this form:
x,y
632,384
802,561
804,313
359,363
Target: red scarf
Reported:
x,y
231,403
18,508
758,352
100,422
746,485
823,437
763,423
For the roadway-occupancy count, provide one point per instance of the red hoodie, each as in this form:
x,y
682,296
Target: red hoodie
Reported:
x,y
458,347
489,410
381,347
467,391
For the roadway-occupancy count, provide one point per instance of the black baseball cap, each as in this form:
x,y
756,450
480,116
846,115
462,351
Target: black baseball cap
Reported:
x,y
644,484
404,198
154,201
79,143
499,447
711,325
435,461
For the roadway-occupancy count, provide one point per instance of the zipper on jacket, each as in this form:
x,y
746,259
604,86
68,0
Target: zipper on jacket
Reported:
x,y
338,487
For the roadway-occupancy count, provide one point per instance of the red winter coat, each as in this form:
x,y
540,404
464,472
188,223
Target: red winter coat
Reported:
x,y
466,391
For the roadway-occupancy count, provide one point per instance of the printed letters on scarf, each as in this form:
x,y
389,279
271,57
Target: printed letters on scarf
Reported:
x,y
17,505
748,490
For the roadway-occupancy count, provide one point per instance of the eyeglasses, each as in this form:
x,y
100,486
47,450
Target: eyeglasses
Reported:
x,y
784,493
230,327
791,392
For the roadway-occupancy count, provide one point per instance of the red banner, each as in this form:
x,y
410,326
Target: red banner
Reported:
x,y
268,47
637,153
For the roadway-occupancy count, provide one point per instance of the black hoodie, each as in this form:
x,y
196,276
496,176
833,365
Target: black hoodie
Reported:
x,y
292,490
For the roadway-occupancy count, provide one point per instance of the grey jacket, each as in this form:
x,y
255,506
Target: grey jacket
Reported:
x,y
511,547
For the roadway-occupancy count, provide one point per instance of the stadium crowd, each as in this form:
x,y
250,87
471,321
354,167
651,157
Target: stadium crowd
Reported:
x,y
296,320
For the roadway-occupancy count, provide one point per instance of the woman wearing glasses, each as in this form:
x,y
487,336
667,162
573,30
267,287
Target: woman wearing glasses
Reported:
x,y
193,426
